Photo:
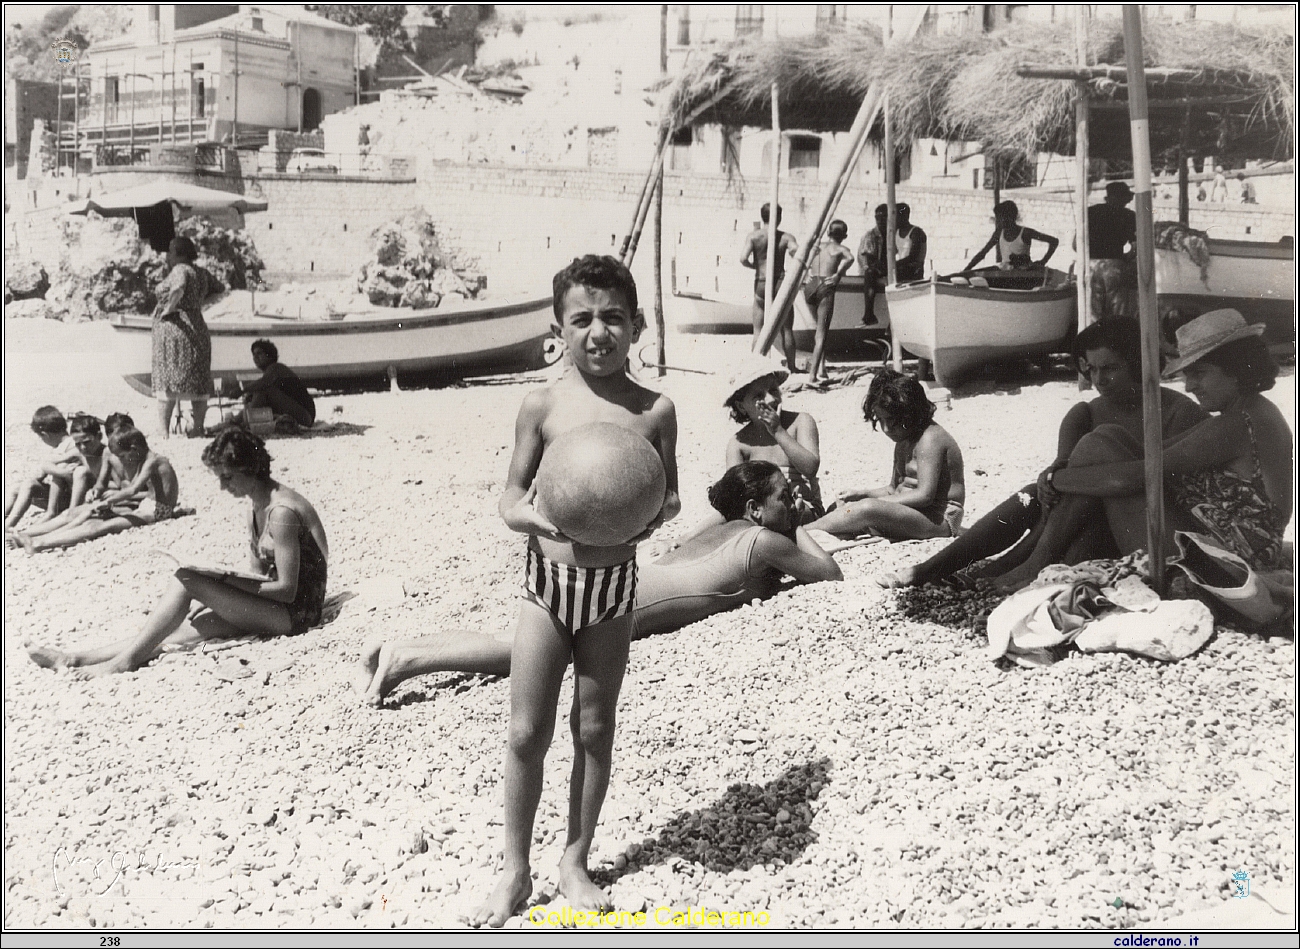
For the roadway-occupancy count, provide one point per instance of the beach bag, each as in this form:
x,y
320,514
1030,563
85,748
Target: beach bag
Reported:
x,y
1225,577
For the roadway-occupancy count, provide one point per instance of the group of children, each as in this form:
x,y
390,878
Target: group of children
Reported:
x,y
98,478
597,318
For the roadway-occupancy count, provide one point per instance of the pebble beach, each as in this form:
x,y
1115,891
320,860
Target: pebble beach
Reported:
x,y
823,759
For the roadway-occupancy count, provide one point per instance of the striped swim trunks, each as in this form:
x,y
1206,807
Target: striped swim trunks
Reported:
x,y
580,596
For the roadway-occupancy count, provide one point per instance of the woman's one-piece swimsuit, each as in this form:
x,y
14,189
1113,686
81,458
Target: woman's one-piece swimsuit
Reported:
x,y
305,610
674,594
1235,510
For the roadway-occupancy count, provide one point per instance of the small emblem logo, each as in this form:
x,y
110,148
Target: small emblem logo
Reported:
x,y
66,51
1240,885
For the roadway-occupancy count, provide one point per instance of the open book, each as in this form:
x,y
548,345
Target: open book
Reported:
x,y
215,571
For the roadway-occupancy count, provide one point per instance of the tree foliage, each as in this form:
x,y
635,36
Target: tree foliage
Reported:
x,y
27,41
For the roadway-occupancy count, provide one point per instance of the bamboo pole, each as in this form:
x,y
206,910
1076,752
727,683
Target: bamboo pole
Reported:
x,y
774,212
866,116
1148,315
660,354
627,251
1083,261
1113,73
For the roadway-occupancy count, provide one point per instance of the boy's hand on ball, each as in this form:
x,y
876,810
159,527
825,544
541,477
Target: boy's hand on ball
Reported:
x,y
526,519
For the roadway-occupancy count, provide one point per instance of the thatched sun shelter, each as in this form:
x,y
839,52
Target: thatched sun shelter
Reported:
x,y
1215,89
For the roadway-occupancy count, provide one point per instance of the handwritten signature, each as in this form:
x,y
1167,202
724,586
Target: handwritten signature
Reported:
x,y
117,865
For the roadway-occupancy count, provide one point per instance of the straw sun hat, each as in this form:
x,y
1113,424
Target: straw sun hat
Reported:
x,y
1207,333
753,367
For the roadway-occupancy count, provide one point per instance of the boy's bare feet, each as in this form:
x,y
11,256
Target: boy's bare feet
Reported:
x,y
47,657
512,891
578,889
369,661
391,668
28,547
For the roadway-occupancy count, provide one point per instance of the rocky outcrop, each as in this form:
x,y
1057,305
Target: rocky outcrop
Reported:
x,y
408,267
25,280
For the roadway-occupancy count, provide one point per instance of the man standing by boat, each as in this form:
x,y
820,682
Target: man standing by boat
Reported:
x,y
754,257
871,261
910,244
1112,271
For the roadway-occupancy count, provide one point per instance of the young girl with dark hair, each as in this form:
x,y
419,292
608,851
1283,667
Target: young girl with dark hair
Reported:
x,y
927,488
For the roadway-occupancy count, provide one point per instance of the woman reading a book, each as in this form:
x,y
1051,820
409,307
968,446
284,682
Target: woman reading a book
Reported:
x,y
282,595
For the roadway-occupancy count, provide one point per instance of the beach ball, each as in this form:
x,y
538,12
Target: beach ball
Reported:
x,y
600,484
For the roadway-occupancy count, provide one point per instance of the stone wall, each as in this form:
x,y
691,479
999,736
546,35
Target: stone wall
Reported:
x,y
519,225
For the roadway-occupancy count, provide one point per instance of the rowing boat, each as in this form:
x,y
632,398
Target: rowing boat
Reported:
x,y
477,338
957,325
1255,278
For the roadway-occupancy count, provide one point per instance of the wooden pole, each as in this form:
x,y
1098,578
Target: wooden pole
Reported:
x,y
866,117
171,88
1184,197
660,354
162,77
633,236
663,40
891,233
768,288
1083,262
1148,316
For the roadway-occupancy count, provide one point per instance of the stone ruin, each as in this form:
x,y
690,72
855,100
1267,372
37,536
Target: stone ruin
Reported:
x,y
408,267
106,269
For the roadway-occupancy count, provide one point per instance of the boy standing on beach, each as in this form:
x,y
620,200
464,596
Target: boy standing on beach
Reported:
x,y
754,256
596,315
831,261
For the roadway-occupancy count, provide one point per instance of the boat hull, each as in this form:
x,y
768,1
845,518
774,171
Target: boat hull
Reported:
x,y
1254,278
846,339
476,340
959,329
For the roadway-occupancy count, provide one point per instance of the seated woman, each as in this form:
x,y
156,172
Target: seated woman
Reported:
x,y
1111,352
787,439
279,389
727,565
1228,476
146,493
927,488
287,548
1013,241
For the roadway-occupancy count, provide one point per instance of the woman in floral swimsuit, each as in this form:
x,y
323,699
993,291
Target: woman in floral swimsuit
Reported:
x,y
1228,476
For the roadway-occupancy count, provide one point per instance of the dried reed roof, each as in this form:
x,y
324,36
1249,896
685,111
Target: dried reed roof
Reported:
x,y
1238,101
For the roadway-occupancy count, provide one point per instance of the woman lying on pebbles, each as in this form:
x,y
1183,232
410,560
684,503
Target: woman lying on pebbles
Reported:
x,y
287,550
723,567
1228,476
1112,352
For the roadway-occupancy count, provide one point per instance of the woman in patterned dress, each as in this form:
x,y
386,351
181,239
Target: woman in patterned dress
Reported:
x,y
182,351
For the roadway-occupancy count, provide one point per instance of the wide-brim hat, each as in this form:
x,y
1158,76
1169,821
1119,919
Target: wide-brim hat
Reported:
x,y
1203,335
1120,188
751,368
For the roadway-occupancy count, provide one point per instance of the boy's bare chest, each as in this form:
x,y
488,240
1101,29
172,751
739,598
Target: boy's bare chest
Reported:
x,y
576,415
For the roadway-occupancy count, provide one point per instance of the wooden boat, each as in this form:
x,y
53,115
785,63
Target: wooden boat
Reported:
x,y
958,328
847,339
1255,278
474,339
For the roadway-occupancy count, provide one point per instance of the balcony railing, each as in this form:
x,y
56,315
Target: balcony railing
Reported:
x,y
321,164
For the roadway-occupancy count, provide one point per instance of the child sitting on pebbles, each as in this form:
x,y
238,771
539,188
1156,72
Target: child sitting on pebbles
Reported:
x,y
927,489
787,439
51,483
146,493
